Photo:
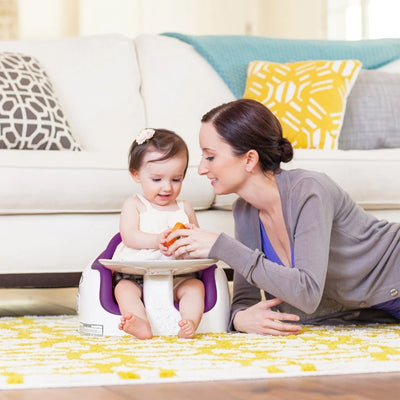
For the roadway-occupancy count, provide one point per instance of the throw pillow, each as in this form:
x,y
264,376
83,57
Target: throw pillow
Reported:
x,y
308,97
31,117
372,118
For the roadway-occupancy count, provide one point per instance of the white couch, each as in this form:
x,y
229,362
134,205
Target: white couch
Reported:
x,y
58,209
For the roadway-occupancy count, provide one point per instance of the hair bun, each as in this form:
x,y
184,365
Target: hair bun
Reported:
x,y
286,150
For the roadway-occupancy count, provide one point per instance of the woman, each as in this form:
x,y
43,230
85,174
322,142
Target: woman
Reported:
x,y
299,236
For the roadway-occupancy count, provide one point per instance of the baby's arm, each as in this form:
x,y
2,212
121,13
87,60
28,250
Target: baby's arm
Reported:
x,y
191,214
129,227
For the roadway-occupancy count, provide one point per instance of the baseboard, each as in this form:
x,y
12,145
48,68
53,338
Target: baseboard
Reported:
x,y
41,280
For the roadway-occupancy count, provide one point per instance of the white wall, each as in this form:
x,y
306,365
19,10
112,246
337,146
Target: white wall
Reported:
x,y
109,16
50,19
305,19
133,17
280,18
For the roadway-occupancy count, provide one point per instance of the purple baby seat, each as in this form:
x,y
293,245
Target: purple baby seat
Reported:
x,y
107,299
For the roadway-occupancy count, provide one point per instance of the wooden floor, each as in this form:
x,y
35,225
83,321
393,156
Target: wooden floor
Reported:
x,y
14,302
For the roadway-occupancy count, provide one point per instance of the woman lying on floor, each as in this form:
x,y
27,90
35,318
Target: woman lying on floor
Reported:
x,y
299,237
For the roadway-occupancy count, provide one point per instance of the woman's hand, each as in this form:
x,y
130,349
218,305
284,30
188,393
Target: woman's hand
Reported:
x,y
261,320
192,243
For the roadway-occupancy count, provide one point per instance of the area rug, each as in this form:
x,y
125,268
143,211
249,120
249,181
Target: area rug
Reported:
x,y
50,352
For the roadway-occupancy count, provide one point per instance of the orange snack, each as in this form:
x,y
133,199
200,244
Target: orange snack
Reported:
x,y
177,226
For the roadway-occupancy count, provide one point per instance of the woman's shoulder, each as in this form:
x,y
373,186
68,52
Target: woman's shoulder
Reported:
x,y
303,177
299,173
300,185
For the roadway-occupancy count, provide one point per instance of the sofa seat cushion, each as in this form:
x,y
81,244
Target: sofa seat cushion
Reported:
x,y
39,182
370,177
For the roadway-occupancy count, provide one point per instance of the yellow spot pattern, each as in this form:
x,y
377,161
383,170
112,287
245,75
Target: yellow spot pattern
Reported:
x,y
167,373
34,351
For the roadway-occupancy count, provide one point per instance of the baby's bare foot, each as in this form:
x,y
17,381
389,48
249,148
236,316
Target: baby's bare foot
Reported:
x,y
188,329
136,326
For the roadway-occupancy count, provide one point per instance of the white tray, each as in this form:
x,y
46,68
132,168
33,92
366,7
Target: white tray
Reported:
x,y
158,267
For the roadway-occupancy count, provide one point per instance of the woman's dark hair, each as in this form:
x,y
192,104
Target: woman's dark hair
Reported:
x,y
247,124
163,141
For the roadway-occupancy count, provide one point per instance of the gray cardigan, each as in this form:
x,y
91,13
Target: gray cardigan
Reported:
x,y
344,257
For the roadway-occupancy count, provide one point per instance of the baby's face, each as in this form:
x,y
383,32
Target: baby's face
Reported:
x,y
161,181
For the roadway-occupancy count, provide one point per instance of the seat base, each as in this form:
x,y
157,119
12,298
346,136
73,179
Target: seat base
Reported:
x,y
158,297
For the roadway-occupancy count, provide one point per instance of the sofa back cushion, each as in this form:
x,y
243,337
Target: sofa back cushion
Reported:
x,y
96,80
178,87
372,117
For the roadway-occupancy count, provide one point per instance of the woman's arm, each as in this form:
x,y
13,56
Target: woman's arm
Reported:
x,y
251,315
311,212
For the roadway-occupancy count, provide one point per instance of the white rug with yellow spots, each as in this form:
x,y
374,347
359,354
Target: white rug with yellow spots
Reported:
x,y
50,352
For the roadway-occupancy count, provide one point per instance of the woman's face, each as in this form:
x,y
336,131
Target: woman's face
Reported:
x,y
226,171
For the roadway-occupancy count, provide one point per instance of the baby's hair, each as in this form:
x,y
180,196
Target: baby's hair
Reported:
x,y
163,141
247,124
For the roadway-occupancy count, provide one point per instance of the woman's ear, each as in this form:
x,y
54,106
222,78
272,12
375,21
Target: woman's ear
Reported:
x,y
251,159
135,176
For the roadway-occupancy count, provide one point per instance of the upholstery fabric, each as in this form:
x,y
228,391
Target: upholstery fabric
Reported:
x,y
308,97
31,117
372,118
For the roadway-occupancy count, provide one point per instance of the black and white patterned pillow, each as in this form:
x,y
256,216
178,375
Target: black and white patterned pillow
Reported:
x,y
31,117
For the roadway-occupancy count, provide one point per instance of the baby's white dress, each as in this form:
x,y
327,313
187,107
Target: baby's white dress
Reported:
x,y
151,220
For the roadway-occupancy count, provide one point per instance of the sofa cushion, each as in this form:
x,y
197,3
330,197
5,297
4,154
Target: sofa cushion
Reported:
x,y
372,118
40,182
370,177
393,67
31,117
97,81
308,97
178,87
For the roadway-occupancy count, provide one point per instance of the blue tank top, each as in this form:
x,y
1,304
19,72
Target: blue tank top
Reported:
x,y
269,250
391,306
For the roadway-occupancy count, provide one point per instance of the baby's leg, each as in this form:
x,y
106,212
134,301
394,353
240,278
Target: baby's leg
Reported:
x,y
190,295
134,319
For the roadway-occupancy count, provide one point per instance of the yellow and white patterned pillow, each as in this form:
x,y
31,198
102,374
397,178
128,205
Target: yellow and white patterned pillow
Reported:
x,y
308,97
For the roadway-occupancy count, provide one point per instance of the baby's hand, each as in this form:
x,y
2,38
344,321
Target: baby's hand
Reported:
x,y
162,245
177,226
